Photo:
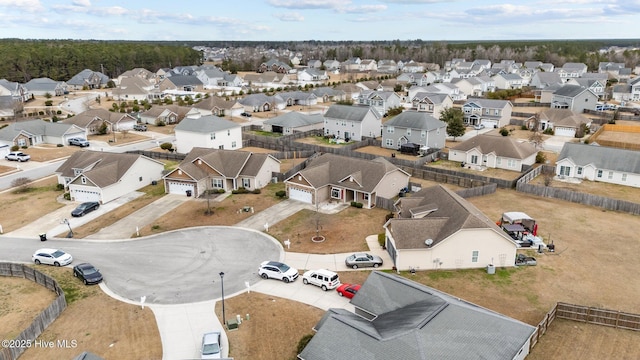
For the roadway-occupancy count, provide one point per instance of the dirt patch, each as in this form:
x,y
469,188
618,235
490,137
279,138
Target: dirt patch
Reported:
x,y
375,150
48,152
343,232
119,138
6,169
488,172
20,209
613,191
21,300
98,323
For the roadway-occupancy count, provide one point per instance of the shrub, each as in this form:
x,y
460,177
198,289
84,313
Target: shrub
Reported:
x,y
388,216
166,146
381,239
160,123
67,196
15,148
548,131
303,342
281,193
540,158
48,103
504,131
240,190
59,187
523,127
59,145
356,204
21,184
256,191
24,146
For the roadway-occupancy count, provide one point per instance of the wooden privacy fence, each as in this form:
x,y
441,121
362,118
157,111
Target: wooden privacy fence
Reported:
x,y
591,315
44,319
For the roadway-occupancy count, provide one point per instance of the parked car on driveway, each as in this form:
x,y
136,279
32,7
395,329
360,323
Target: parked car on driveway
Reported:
x,y
17,156
348,290
140,127
85,208
53,257
363,260
87,273
246,114
325,279
79,142
277,270
478,126
211,348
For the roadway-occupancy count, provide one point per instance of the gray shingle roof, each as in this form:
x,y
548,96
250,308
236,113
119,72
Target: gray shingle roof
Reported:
x,y
182,80
205,124
570,90
79,78
34,127
101,168
504,146
227,163
346,112
295,119
602,157
416,120
43,84
489,103
414,321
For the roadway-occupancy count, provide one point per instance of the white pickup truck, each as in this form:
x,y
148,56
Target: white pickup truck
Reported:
x,y
17,156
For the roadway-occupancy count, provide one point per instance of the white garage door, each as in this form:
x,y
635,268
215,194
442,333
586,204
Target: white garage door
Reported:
x,y
490,124
562,131
300,195
180,188
85,195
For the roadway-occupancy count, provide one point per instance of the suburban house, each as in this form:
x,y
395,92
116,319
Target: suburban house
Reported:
x,y
381,101
141,73
136,88
396,318
572,70
352,122
387,66
327,94
435,228
508,81
493,150
91,120
88,79
431,103
206,169
314,64
298,98
312,75
261,102
414,127
574,97
597,86
541,79
167,114
350,90
599,163
331,64
342,179
627,92
292,122
35,132
181,84
268,79
491,113
208,132
15,90
563,122
44,86
105,176
218,106
274,65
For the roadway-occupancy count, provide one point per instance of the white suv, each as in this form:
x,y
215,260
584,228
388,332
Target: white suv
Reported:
x,y
277,270
325,279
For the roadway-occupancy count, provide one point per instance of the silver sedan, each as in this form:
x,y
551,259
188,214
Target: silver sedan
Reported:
x,y
363,260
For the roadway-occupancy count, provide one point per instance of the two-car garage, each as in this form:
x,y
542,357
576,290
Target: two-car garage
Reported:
x,y
301,195
180,188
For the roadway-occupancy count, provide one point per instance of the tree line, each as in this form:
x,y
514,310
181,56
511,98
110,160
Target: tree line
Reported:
x,y
60,60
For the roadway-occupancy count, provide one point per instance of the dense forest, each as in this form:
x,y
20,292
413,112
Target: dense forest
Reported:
x,y
23,60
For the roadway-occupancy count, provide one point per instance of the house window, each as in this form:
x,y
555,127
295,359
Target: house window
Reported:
x,y
423,134
335,193
474,159
599,173
610,175
228,132
408,131
365,196
213,136
579,170
498,161
217,183
22,142
389,142
390,129
233,144
565,171
474,256
83,180
624,177
246,183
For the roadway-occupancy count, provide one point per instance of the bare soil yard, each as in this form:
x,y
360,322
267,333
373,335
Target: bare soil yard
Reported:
x,y
22,208
14,294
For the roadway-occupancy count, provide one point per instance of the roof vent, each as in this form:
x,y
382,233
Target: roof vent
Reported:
x,y
428,242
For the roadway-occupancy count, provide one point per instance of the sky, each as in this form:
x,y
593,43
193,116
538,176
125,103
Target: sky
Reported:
x,y
295,20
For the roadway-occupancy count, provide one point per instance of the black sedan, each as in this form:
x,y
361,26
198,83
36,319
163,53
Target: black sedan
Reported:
x,y
85,208
87,273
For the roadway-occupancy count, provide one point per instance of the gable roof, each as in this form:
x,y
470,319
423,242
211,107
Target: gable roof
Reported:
x,y
101,168
435,213
228,163
85,118
413,321
416,120
564,117
214,102
295,119
347,112
206,124
489,103
571,91
35,127
183,80
351,173
602,157
79,78
503,146
43,84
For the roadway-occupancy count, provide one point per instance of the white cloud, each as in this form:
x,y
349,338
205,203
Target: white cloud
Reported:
x,y
309,4
291,16
362,9
83,3
23,5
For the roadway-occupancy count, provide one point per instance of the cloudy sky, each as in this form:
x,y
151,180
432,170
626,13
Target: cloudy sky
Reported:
x,y
283,20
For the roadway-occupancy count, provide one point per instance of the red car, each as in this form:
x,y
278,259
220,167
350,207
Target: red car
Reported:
x,y
348,290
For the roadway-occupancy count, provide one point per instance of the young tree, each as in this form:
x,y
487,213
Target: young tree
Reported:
x,y
454,119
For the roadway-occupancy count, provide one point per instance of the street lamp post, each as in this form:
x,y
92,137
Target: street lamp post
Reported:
x,y
70,234
224,319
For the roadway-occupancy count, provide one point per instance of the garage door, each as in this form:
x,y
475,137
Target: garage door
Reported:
x,y
85,195
490,123
180,188
300,195
562,131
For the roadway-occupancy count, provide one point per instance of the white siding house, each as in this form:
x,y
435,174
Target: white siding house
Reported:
x,y
208,132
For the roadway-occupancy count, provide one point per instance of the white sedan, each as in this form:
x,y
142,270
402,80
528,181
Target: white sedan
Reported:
x,y
52,257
